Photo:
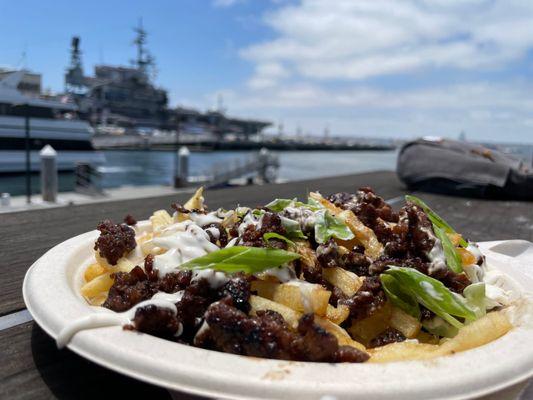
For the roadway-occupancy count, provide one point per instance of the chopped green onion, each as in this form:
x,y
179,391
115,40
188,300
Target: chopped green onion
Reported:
x,y
273,235
250,260
279,205
432,294
293,228
435,219
453,259
400,298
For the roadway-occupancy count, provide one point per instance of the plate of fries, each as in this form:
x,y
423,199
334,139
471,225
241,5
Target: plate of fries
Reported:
x,y
296,300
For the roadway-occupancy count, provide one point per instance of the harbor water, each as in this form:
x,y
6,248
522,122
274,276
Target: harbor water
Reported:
x,y
157,167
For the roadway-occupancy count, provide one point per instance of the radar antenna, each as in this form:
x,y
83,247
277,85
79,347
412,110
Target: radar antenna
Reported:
x,y
145,61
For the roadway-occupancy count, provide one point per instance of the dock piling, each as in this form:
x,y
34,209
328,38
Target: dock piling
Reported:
x,y
48,174
181,177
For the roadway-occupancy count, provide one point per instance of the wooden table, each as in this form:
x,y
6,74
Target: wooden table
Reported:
x,y
32,367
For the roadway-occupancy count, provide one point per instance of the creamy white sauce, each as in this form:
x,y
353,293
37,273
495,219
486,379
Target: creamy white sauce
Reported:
x,y
429,289
215,279
215,232
282,274
183,243
304,216
232,242
205,219
107,317
249,219
436,254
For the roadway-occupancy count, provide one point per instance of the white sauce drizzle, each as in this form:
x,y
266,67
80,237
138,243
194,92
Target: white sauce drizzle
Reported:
x,y
205,219
185,242
249,219
429,289
215,232
436,254
107,317
282,274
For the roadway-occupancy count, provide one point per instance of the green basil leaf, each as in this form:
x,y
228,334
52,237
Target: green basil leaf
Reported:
x,y
273,235
241,259
453,259
400,298
327,226
433,295
435,219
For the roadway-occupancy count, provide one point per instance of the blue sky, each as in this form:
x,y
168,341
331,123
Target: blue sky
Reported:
x,y
366,67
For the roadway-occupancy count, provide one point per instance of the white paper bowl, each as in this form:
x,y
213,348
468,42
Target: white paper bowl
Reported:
x,y
51,294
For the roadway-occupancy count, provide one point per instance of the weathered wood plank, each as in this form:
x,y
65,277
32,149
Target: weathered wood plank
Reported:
x,y
28,235
33,368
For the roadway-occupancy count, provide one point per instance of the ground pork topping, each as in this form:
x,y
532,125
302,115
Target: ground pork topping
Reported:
x,y
114,241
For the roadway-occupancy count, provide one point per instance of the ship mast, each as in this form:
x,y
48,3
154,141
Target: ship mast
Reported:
x,y
144,61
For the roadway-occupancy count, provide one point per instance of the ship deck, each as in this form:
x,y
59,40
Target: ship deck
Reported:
x,y
32,366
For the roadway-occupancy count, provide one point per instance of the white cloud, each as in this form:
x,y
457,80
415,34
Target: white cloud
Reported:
x,y
315,70
348,40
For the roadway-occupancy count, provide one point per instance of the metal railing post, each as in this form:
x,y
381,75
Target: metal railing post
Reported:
x,y
48,173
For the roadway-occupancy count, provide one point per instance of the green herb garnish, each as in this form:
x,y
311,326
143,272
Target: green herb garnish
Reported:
x,y
431,293
327,226
453,259
273,235
250,260
435,219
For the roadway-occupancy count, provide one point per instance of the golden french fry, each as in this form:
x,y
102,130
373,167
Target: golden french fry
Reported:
x,y
338,314
93,271
428,338
98,286
307,298
196,202
98,300
482,331
160,219
367,329
363,234
258,303
409,326
123,265
342,336
402,351
346,281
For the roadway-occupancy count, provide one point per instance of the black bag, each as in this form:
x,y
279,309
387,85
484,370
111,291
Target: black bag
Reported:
x,y
462,168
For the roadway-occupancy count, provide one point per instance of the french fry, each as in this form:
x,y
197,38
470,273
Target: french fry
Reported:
x,y
97,286
482,331
363,234
342,336
467,258
402,351
314,298
123,265
196,202
93,271
338,314
428,338
346,281
367,329
160,219
258,303
409,326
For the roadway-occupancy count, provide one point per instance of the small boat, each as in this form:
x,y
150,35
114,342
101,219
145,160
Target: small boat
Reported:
x,y
50,121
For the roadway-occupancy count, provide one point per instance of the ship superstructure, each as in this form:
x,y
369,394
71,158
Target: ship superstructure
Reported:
x,y
124,100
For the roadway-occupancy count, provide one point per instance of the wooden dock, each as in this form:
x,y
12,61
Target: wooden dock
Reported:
x,y
32,367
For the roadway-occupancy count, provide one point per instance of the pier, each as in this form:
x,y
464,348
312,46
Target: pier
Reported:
x,y
33,367
200,142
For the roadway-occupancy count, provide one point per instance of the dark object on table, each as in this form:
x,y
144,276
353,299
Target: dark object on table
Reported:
x,y
462,168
